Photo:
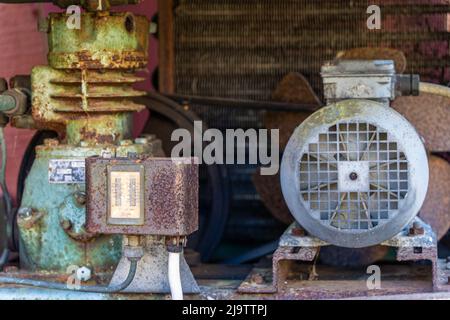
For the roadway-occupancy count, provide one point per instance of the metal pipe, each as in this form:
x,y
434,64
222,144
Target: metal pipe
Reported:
x,y
243,104
7,103
63,286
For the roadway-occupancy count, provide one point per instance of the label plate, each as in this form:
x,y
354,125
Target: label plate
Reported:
x,y
126,194
66,171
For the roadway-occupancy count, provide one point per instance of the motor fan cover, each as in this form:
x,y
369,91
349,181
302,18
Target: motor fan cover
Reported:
x,y
355,173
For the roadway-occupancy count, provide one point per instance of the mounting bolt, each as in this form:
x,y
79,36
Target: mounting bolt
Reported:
x,y
83,274
80,197
257,278
416,229
25,213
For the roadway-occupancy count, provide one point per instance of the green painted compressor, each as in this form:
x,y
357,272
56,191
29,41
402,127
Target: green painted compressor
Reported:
x,y
85,95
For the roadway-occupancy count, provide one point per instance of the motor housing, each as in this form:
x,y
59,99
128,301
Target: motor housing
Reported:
x,y
355,173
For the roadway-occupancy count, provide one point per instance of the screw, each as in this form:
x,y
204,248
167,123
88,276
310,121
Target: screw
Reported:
x,y
80,197
353,176
83,274
25,213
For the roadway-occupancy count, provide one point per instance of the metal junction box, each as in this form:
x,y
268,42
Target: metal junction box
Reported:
x,y
142,196
359,79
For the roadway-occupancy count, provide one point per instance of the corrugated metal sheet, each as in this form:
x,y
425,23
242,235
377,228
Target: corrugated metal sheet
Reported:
x,y
241,49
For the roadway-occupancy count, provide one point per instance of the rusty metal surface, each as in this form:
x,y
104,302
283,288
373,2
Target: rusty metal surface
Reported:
x,y
105,41
430,115
290,252
339,283
96,102
398,281
170,202
435,209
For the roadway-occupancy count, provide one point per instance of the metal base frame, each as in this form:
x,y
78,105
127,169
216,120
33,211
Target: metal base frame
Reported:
x,y
293,247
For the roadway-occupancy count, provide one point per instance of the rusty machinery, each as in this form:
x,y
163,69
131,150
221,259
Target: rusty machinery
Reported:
x,y
85,96
355,173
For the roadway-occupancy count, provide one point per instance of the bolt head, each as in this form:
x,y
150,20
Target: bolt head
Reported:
x,y
25,213
353,176
80,197
83,274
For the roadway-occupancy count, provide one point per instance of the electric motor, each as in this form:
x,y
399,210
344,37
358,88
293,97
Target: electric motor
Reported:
x,y
355,173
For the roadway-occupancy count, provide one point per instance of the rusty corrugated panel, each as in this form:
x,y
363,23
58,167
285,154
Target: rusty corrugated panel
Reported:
x,y
242,49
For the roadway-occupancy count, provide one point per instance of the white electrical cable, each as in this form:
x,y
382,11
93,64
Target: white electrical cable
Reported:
x,y
176,290
434,89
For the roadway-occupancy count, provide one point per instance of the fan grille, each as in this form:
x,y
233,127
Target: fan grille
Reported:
x,y
354,176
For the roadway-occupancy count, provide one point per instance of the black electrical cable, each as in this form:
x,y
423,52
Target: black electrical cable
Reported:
x,y
253,254
5,194
63,286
